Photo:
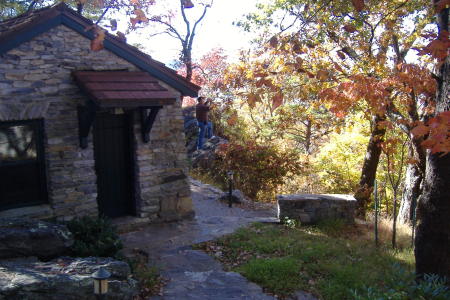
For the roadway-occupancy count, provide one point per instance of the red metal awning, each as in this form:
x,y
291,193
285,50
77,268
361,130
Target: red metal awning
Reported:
x,y
123,89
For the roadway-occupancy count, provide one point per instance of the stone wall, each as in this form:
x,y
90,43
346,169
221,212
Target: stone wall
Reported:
x,y
311,209
36,82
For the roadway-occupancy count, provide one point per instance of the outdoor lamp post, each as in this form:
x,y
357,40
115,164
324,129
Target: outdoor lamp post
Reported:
x,y
230,188
100,283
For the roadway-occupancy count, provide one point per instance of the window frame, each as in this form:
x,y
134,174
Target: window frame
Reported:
x,y
37,125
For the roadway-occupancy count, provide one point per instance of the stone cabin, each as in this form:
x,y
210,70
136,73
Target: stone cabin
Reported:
x,y
84,132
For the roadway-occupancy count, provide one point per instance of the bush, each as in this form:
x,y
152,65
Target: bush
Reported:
x,y
94,237
258,169
403,286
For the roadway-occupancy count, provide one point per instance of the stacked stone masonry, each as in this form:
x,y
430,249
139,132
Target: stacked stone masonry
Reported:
x,y
36,82
311,209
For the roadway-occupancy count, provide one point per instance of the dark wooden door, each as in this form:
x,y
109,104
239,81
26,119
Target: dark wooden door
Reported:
x,y
114,164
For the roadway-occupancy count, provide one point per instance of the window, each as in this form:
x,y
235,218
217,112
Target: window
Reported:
x,y
22,168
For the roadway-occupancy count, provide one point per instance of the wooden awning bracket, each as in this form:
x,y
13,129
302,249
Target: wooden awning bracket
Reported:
x,y
86,116
147,120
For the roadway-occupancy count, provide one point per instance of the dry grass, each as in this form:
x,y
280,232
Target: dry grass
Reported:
x,y
403,239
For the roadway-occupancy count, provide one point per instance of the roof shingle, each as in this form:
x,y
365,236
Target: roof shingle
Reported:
x,y
123,89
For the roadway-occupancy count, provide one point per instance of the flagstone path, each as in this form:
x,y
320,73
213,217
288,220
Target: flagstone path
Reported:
x,y
193,274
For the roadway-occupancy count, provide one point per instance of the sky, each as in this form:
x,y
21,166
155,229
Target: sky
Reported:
x,y
216,30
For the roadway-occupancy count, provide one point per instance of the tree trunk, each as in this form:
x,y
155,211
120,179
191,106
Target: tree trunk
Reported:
x,y
370,165
432,246
189,68
411,192
308,136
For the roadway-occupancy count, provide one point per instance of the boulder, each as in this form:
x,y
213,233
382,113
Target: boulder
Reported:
x,y
205,157
190,128
63,278
21,238
191,133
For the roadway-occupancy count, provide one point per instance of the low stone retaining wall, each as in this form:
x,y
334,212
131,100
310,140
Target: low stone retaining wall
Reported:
x,y
311,208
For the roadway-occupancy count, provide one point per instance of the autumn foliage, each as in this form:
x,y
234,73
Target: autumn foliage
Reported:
x,y
258,169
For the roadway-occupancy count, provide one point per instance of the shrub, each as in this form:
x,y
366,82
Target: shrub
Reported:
x,y
150,281
258,169
403,286
94,237
290,223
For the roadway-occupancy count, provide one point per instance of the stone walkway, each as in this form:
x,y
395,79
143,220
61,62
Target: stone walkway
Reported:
x,y
194,274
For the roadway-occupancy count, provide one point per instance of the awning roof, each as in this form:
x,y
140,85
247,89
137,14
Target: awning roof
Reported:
x,y
123,89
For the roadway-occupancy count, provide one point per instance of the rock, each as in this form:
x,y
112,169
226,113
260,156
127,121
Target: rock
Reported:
x,y
236,197
22,238
64,278
190,129
303,296
205,157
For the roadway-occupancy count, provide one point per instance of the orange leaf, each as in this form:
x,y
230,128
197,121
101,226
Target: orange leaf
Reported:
x,y
252,99
277,100
134,21
358,4
338,67
420,130
349,28
232,119
96,44
140,16
99,37
322,75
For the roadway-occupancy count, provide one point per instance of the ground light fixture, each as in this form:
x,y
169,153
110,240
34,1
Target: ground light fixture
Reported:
x,y
100,283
